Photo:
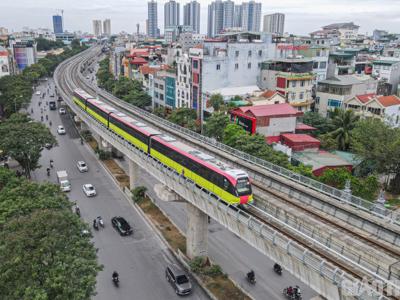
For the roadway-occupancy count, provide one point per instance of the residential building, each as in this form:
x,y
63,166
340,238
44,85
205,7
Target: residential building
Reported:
x,y
158,99
3,31
333,92
183,69
5,62
387,69
378,35
57,24
191,15
152,19
237,16
274,23
97,28
347,31
171,14
107,27
251,16
24,53
116,66
189,40
220,16
170,88
319,55
222,63
342,62
386,108
292,78
172,33
267,97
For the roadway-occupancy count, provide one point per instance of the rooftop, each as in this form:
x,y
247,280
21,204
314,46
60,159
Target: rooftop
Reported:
x,y
300,138
389,100
270,110
301,126
320,159
346,79
233,91
366,97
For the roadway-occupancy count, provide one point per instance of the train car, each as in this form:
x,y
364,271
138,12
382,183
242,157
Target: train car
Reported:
x,y
229,184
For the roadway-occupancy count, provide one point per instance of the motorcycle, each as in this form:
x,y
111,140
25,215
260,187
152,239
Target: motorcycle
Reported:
x,y
100,221
115,281
278,269
292,293
78,211
95,226
51,163
48,171
251,278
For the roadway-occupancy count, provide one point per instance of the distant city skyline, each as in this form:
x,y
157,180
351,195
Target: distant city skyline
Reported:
x,y
301,17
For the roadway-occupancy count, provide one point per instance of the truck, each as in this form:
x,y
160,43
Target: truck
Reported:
x,y
62,177
52,105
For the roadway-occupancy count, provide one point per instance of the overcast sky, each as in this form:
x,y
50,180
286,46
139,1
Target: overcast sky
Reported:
x,y
302,16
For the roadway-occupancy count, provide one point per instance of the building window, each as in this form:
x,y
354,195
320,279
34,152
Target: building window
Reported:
x,y
249,53
318,53
315,65
259,65
302,83
236,53
294,83
334,103
236,66
195,64
322,65
156,85
249,66
259,52
317,100
161,97
161,87
293,96
218,67
301,96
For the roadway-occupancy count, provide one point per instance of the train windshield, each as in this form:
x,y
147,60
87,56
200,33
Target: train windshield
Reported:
x,y
243,186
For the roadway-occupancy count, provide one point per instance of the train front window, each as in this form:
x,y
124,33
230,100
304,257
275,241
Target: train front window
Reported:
x,y
243,186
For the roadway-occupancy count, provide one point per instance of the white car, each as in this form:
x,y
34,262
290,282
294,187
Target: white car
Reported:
x,y
62,111
61,130
38,93
82,166
89,190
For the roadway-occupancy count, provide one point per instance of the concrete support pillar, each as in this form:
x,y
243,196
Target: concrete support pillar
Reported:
x,y
84,126
197,232
116,153
104,145
133,173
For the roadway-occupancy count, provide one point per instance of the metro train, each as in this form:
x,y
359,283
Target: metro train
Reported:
x,y
229,184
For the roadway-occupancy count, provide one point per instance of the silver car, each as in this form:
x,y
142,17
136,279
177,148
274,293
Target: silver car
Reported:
x,y
82,166
178,279
89,190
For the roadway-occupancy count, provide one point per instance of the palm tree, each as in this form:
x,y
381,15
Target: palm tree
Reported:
x,y
344,122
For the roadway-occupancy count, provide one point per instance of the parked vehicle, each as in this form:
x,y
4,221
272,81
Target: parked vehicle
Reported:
x,y
121,225
178,279
62,177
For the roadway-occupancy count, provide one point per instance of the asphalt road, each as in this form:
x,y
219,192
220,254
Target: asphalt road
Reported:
x,y
139,259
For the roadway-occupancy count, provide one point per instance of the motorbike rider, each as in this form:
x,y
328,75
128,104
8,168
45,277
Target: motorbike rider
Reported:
x,y
296,292
77,210
277,268
48,171
251,276
51,163
289,291
47,117
95,225
115,276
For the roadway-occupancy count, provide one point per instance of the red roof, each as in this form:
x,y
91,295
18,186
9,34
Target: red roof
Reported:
x,y
389,100
268,94
366,97
270,110
146,69
301,126
138,61
272,139
299,138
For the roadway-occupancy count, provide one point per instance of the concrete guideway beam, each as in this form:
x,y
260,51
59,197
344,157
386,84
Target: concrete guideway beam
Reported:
x,y
197,232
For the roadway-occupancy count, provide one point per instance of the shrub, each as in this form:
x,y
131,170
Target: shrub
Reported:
x,y
138,193
213,271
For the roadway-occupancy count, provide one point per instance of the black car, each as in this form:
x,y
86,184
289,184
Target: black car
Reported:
x,y
121,225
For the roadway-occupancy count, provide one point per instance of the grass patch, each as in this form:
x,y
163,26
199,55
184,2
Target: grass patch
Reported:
x,y
117,172
93,144
223,288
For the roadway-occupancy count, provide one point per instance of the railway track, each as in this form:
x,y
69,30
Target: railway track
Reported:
x,y
69,79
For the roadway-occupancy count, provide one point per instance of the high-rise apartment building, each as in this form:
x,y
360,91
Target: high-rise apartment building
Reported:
x,y
58,24
24,53
171,14
251,16
191,15
152,22
237,16
220,16
274,23
107,27
97,27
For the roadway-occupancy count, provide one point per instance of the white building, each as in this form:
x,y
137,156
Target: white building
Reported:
x,y
107,27
97,27
274,23
5,64
189,40
388,69
191,15
251,16
347,31
158,82
333,92
171,14
183,79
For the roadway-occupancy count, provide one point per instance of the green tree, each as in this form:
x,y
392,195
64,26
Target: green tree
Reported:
x,y
138,98
76,44
232,133
328,142
46,45
160,112
15,92
24,140
215,126
344,122
183,116
379,145
43,253
314,119
216,101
